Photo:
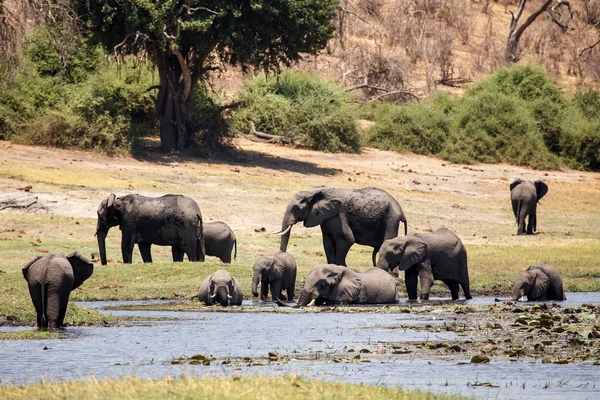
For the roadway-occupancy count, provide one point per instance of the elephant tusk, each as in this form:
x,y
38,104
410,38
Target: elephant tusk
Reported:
x,y
229,297
312,303
523,298
212,296
282,232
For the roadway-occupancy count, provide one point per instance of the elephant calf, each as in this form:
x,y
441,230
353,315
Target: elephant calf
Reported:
x,y
335,284
51,279
219,241
439,255
222,288
277,271
541,282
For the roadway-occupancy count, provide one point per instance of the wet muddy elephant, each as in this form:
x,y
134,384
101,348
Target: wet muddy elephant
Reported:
x,y
219,241
277,271
336,284
524,196
51,279
169,220
222,288
427,257
541,282
365,216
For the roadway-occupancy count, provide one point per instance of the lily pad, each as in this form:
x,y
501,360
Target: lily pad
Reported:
x,y
480,359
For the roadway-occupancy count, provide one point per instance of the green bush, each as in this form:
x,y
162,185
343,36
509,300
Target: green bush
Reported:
x,y
304,107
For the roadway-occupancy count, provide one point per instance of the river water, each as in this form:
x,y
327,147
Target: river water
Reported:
x,y
145,349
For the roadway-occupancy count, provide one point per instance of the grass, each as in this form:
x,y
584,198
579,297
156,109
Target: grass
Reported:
x,y
290,387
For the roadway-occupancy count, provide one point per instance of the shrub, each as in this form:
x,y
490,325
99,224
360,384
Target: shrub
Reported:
x,y
310,110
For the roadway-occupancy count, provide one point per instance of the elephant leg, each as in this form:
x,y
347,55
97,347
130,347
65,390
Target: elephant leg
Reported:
x,y
177,254
63,311
341,251
145,252
291,290
127,248
411,277
276,289
329,247
426,277
466,290
264,289
531,224
226,256
453,285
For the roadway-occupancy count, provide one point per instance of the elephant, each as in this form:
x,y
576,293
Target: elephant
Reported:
x,y
50,279
541,282
365,216
222,288
219,241
277,271
524,196
169,220
439,255
335,284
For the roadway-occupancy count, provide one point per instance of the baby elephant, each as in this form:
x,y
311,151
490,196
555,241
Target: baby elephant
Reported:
x,y
278,271
439,255
541,282
51,279
334,284
219,241
222,288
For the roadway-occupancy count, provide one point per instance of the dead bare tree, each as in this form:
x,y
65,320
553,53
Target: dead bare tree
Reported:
x,y
516,31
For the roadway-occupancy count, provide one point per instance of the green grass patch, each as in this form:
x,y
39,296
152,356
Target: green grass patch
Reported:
x,y
30,335
289,387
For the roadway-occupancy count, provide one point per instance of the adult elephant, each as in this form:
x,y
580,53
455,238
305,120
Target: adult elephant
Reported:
x,y
439,255
524,196
169,220
365,216
222,288
219,241
541,282
336,284
277,271
50,279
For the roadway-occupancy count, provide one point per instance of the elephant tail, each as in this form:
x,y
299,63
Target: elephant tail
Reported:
x,y
374,255
235,249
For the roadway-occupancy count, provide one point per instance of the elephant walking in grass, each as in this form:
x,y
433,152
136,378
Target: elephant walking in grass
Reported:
x,y
222,288
366,216
541,282
334,284
219,241
169,220
277,271
50,279
524,196
427,257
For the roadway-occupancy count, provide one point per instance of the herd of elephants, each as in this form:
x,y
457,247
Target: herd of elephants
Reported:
x,y
367,216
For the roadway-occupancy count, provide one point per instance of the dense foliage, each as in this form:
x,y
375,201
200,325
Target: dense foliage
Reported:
x,y
517,116
185,37
306,108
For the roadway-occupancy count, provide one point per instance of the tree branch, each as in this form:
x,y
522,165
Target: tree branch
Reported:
x,y
393,92
563,27
589,48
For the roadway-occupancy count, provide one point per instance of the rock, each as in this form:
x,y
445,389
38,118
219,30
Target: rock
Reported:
x,y
546,360
480,359
488,348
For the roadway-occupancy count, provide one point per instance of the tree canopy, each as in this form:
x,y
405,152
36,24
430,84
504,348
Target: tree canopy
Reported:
x,y
188,38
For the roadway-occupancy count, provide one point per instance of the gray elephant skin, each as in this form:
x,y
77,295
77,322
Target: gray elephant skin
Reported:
x,y
524,196
365,216
219,241
277,271
169,220
50,279
541,282
439,255
335,284
222,288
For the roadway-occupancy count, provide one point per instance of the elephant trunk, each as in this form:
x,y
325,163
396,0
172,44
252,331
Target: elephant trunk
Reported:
x,y
382,263
305,298
101,235
286,228
222,296
255,278
517,294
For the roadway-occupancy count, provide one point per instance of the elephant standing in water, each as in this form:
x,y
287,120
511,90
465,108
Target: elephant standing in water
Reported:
x,y
335,284
170,220
50,279
524,196
428,256
219,241
541,282
221,288
277,271
366,216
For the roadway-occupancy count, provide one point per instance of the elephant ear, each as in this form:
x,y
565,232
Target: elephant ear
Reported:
x,y
324,205
82,268
541,189
540,285
29,264
105,205
347,283
414,251
516,183
276,270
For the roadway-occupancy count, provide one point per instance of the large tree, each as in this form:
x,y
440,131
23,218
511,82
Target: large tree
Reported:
x,y
184,38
